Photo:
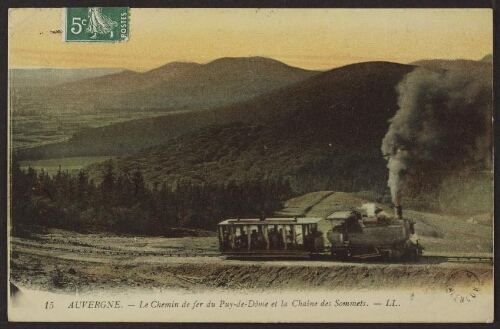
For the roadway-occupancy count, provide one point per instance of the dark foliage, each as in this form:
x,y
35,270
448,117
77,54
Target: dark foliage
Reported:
x,y
122,203
310,159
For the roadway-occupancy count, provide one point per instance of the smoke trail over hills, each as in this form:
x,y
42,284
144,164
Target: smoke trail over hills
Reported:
x,y
444,123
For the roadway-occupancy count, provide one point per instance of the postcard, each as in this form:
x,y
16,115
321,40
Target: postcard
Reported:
x,y
250,165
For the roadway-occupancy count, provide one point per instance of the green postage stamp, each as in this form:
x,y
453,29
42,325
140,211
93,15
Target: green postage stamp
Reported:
x,y
96,24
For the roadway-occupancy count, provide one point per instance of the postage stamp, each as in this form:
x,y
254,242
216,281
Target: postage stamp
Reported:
x,y
250,165
96,24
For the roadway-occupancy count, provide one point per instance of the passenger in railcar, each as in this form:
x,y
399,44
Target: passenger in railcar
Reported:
x,y
289,239
227,240
243,240
281,239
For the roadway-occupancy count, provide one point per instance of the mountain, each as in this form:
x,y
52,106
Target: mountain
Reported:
x,y
89,93
487,58
483,66
322,133
30,89
172,87
37,77
221,82
107,91
318,110
326,133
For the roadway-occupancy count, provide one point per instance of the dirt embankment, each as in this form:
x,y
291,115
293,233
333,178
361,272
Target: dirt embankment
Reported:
x,y
69,262
52,273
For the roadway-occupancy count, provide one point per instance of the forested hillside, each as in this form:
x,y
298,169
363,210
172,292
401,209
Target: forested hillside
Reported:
x,y
323,134
123,203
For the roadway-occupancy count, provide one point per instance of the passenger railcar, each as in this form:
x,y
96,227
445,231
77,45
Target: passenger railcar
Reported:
x,y
270,236
350,235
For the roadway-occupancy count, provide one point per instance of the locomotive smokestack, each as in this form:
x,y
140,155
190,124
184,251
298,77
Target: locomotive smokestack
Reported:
x,y
399,212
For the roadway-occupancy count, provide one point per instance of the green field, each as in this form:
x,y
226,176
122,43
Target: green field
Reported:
x,y
72,165
46,128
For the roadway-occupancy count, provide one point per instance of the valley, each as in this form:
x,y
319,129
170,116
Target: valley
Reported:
x,y
293,132
31,131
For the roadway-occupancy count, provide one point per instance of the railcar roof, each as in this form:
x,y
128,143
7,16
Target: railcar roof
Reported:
x,y
272,221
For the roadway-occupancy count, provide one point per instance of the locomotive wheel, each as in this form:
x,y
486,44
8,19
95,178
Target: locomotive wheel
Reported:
x,y
342,255
346,255
414,255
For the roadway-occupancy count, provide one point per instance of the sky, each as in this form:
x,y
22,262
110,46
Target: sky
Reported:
x,y
317,39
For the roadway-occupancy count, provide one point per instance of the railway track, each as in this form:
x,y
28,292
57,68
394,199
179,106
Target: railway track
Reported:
x,y
461,259
115,252
122,252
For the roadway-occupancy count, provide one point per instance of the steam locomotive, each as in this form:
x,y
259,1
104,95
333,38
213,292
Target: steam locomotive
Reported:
x,y
349,235
354,235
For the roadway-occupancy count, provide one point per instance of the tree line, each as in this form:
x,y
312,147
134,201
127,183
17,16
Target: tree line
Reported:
x,y
123,203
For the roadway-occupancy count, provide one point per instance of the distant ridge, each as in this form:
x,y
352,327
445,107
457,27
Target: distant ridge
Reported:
x,y
487,58
456,64
109,89
171,69
37,77
220,82
174,86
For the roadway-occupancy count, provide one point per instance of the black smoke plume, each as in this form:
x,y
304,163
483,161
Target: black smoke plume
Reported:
x,y
444,123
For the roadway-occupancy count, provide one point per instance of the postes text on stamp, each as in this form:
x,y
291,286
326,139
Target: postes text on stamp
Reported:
x,y
96,24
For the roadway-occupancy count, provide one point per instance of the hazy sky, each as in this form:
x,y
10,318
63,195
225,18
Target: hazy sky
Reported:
x,y
308,38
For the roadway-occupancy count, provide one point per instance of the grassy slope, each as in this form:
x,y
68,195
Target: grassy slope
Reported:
x,y
438,233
